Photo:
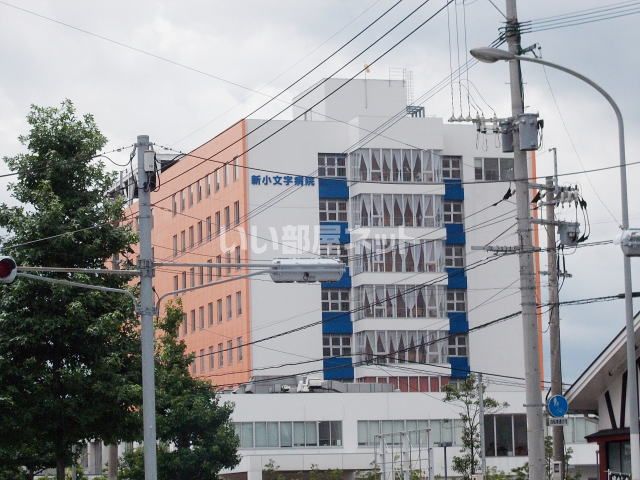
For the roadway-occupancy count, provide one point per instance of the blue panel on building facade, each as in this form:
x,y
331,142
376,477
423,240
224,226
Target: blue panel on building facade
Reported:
x,y
453,190
456,278
337,322
334,232
338,368
333,188
344,282
459,367
458,322
455,234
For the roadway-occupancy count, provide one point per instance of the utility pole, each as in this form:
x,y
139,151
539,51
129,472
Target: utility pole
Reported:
x,y
535,418
483,456
554,314
147,310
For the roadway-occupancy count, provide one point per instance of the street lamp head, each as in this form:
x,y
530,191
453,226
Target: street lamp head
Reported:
x,y
491,55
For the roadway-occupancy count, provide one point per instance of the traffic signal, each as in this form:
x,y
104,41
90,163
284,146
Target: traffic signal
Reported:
x,y
8,269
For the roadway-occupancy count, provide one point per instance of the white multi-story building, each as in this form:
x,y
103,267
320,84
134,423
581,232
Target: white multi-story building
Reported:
x,y
400,197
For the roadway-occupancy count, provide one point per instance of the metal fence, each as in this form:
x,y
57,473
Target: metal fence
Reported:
x,y
404,455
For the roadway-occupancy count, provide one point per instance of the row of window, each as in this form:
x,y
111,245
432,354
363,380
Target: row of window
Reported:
x,y
289,434
440,431
411,383
205,361
332,165
205,231
395,165
202,188
396,210
493,168
199,276
402,346
190,322
400,301
398,256
397,349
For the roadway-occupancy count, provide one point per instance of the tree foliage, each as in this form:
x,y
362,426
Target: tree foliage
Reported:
x,y
67,372
190,418
464,394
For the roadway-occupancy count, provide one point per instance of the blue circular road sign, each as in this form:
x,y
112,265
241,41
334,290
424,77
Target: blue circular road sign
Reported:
x,y
557,406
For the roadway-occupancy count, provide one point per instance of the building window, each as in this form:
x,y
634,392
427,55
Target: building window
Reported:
x,y
451,168
200,275
211,358
184,280
234,163
452,212
201,317
210,313
184,324
217,223
219,310
399,301
175,283
201,358
192,277
393,255
193,321
505,435
227,218
209,272
228,261
199,191
335,300
175,245
395,210
289,434
182,200
208,227
216,180
219,267
401,346
458,346
199,233
191,237
395,165
444,430
338,251
174,205
239,348
220,356
336,345
183,241
333,210
229,352
456,301
207,185
493,169
238,259
225,174
190,195
454,256
238,303
236,212
229,308
332,165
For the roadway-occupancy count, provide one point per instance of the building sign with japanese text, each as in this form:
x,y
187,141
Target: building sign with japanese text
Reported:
x,y
283,180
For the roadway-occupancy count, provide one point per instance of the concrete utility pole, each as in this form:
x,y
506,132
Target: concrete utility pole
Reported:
x,y
554,315
535,418
147,310
483,455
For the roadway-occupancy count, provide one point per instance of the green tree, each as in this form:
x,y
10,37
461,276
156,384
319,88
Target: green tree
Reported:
x,y
68,368
464,394
190,416
522,473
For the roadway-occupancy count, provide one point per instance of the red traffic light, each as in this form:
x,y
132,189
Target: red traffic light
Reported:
x,y
8,269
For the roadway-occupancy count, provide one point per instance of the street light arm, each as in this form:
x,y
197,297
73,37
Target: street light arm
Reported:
x,y
616,109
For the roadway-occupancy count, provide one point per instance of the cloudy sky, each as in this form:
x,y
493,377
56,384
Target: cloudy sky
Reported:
x,y
218,55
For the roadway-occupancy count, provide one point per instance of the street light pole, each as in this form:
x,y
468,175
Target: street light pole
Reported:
x,y
491,55
533,397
